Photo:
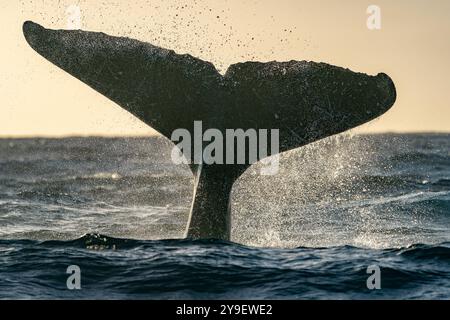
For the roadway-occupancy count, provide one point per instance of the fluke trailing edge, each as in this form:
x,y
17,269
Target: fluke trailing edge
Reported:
x,y
305,101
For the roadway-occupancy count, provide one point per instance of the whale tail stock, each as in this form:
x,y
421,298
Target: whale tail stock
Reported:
x,y
305,101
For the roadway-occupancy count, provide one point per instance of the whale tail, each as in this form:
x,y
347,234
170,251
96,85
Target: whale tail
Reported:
x,y
304,101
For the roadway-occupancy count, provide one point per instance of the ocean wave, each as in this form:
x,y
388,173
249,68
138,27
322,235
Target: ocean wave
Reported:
x,y
421,157
441,183
407,198
95,241
115,268
379,194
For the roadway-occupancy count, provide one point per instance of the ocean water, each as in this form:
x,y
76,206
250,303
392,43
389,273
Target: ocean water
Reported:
x,y
117,208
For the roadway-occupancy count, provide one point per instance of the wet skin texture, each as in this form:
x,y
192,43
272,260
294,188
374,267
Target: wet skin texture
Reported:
x,y
306,101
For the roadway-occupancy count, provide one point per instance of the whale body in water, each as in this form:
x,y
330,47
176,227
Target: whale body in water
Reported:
x,y
305,101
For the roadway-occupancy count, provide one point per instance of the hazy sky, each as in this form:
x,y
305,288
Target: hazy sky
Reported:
x,y
413,47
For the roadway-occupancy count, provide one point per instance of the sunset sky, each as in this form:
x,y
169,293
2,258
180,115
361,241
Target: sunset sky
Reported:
x,y
413,47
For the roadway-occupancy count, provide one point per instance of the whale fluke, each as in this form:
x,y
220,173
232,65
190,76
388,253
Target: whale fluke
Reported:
x,y
305,101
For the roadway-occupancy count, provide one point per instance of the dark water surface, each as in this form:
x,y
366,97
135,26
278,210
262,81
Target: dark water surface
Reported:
x,y
336,207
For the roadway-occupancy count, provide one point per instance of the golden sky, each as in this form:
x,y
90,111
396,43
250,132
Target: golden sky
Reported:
x,y
413,47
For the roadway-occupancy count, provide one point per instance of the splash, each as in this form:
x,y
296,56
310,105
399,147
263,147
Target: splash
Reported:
x,y
343,190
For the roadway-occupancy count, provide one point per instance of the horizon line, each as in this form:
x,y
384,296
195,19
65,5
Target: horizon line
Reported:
x,y
112,136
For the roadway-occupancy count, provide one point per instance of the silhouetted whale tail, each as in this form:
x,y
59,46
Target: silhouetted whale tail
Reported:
x,y
305,101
